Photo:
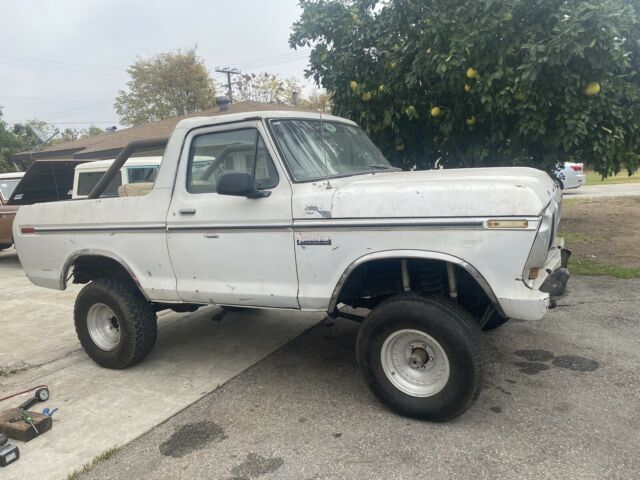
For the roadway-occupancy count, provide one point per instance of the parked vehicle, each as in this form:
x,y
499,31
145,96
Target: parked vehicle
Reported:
x,y
293,210
139,170
45,181
8,182
572,175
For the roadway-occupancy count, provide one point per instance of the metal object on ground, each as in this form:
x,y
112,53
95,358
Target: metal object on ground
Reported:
x,y
8,455
415,363
41,395
103,327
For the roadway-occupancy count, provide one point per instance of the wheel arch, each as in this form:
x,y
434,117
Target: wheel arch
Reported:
x,y
417,255
103,257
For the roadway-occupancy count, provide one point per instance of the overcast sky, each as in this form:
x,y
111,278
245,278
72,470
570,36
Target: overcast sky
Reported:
x,y
64,61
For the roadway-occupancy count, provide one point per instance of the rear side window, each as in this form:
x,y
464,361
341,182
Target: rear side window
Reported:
x,y
213,154
88,180
142,174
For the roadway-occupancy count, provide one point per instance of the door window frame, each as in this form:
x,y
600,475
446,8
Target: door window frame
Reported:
x,y
262,133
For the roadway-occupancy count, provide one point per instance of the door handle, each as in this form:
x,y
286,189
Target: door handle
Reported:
x,y
187,211
211,235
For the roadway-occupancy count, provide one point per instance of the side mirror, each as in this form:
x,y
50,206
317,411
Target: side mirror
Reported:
x,y
239,184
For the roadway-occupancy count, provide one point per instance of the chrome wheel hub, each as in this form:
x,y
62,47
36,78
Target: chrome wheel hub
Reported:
x,y
415,363
103,326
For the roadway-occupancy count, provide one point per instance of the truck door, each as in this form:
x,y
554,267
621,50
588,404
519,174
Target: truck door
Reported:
x,y
232,250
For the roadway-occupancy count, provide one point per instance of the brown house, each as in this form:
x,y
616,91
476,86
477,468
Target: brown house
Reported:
x,y
102,147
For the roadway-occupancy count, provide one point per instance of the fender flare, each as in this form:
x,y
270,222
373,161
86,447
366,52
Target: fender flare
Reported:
x,y
90,252
412,254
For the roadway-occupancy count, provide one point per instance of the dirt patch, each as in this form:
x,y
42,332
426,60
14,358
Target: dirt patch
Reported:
x,y
603,230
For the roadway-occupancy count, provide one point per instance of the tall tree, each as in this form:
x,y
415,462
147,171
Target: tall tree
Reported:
x,y
266,88
483,82
168,84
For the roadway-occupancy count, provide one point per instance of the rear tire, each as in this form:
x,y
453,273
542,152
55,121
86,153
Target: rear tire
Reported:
x,y
115,324
4,246
398,332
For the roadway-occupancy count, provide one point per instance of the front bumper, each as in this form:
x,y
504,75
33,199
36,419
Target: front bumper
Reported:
x,y
531,302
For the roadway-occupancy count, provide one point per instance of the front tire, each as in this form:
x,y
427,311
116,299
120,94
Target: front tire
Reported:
x,y
421,356
116,326
4,246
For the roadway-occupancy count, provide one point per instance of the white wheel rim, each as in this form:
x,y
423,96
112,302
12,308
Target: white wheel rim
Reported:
x,y
103,326
415,363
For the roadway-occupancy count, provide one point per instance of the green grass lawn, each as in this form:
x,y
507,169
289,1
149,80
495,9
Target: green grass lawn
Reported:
x,y
586,266
594,178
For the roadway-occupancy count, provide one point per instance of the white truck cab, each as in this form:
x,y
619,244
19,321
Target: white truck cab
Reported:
x,y
297,210
138,170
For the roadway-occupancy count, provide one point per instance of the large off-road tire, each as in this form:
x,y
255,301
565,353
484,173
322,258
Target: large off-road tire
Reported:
x,y
421,356
116,326
4,246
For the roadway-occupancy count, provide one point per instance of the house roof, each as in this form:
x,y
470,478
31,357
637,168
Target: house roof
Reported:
x,y
108,145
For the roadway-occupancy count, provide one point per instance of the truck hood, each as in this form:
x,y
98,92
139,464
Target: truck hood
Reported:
x,y
468,192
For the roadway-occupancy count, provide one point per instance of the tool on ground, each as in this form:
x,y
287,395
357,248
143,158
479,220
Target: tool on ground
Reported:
x,y
49,413
41,395
3,439
39,392
25,417
8,454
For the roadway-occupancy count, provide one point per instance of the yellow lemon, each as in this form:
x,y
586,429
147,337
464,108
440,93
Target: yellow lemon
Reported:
x,y
592,89
381,88
354,85
366,96
435,111
471,120
467,88
472,72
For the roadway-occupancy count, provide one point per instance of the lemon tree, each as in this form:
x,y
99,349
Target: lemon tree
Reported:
x,y
483,82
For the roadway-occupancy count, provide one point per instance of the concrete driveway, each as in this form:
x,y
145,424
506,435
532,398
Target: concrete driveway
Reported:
x,y
100,408
593,191
561,401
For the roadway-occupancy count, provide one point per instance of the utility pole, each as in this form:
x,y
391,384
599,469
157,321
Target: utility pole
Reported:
x,y
229,72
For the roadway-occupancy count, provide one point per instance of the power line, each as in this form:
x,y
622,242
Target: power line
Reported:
x,y
46,98
42,67
99,67
73,109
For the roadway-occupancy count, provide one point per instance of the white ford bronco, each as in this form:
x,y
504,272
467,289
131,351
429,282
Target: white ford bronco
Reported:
x,y
293,210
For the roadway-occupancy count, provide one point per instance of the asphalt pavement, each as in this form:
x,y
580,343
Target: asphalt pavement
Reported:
x,y
561,400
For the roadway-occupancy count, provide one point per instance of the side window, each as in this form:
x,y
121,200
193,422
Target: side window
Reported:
x,y
142,174
88,180
213,154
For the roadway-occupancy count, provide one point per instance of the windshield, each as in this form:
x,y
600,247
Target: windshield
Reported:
x,y
315,149
7,187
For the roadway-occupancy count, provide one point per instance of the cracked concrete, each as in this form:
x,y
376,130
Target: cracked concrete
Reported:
x,y
98,408
305,413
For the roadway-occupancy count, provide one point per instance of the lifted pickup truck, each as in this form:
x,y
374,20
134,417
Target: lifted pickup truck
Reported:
x,y
293,210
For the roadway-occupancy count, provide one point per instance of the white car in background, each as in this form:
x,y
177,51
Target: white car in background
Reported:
x,y
140,171
572,175
8,183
